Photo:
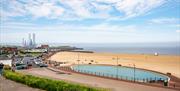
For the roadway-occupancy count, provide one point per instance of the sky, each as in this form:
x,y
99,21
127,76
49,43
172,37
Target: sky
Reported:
x,y
90,21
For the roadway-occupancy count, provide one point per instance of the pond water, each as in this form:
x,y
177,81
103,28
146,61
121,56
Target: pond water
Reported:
x,y
121,72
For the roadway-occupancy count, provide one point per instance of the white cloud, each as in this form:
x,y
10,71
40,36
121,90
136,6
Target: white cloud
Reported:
x,y
138,7
79,7
68,33
165,21
14,9
48,10
177,25
132,8
103,27
112,28
178,31
104,32
60,9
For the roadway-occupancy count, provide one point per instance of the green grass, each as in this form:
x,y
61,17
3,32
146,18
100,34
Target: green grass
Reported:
x,y
34,54
46,84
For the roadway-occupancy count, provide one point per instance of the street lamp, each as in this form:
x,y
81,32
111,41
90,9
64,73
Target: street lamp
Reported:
x,y
78,62
116,66
134,71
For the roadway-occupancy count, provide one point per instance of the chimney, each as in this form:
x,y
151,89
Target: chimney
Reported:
x,y
34,39
23,42
29,39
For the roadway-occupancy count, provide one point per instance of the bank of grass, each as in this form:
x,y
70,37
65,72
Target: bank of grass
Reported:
x,y
34,54
46,84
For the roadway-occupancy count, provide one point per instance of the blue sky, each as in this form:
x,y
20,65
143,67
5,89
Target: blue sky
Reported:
x,y
90,21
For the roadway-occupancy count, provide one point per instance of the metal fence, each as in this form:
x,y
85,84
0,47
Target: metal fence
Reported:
x,y
120,77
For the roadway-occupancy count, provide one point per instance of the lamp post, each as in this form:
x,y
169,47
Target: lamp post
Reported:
x,y
116,66
78,62
134,71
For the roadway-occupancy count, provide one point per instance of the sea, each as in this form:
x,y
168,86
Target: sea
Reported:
x,y
130,48
169,48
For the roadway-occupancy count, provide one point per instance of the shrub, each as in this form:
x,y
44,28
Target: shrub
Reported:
x,y
46,84
6,67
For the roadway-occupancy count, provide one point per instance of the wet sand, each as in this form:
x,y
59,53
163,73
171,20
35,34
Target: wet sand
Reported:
x,y
161,63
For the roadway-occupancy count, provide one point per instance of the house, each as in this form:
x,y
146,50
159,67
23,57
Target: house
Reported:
x,y
44,46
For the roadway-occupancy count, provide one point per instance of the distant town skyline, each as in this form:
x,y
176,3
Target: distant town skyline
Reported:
x,y
29,41
90,21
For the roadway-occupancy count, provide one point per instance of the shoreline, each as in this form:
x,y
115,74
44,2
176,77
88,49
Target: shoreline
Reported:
x,y
141,54
143,61
150,54
89,51
174,79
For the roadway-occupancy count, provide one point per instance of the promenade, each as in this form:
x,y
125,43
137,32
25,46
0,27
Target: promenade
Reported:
x,y
113,85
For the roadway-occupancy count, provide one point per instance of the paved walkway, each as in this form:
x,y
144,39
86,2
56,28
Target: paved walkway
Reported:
x,y
94,81
8,85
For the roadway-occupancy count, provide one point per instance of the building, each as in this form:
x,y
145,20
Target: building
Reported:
x,y
31,43
45,46
6,61
8,50
34,39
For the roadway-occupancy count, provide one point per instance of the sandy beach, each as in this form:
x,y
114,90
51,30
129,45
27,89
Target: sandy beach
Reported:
x,y
161,63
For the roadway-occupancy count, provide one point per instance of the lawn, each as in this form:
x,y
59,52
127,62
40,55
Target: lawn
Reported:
x,y
34,54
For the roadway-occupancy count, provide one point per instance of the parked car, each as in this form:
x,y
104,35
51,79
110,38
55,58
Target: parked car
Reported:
x,y
42,65
37,62
21,66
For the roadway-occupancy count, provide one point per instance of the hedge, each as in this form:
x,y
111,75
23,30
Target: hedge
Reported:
x,y
46,84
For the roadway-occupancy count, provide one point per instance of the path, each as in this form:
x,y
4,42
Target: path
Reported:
x,y
8,85
94,81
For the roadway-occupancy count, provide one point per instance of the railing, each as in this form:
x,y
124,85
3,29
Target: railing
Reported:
x,y
128,78
120,77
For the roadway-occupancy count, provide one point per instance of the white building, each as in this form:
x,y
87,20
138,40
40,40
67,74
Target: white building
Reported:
x,y
6,62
